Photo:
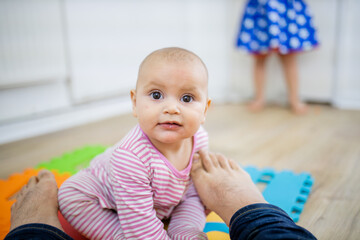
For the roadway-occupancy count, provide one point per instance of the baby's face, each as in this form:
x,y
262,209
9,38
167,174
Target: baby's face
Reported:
x,y
170,100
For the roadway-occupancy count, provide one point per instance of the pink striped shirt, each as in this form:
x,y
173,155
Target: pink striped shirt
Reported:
x,y
143,187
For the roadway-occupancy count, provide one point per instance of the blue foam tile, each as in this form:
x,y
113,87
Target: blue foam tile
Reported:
x,y
216,226
301,198
286,189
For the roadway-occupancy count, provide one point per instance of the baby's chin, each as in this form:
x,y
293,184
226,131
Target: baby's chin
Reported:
x,y
171,138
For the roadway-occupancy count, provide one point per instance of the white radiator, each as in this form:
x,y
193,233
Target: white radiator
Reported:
x,y
31,42
32,59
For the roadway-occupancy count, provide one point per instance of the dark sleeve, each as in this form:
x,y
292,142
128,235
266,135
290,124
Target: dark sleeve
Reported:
x,y
265,221
37,231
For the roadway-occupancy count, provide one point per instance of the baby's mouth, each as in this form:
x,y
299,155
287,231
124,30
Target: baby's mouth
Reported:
x,y
170,124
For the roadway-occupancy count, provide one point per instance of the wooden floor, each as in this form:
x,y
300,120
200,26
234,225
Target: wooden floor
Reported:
x,y
325,142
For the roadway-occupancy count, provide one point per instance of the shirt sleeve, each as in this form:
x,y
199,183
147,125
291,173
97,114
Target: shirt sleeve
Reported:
x,y
134,198
188,218
263,221
202,139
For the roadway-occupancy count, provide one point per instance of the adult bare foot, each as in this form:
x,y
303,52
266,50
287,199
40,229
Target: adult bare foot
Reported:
x,y
256,105
299,108
223,185
37,202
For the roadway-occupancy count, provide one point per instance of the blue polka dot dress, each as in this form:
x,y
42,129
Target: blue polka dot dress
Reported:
x,y
284,26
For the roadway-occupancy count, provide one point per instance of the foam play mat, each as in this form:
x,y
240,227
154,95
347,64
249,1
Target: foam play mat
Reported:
x,y
284,189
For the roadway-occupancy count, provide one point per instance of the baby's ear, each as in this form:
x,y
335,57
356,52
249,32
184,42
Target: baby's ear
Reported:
x,y
133,101
208,103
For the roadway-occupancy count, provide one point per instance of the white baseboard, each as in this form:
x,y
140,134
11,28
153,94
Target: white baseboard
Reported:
x,y
347,104
72,117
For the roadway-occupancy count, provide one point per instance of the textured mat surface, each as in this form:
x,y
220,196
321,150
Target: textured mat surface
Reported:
x,y
284,189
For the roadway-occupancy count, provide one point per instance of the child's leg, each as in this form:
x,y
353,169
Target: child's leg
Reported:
x,y
81,199
259,83
291,75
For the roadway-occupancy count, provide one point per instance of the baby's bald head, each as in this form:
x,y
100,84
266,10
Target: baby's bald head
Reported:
x,y
174,55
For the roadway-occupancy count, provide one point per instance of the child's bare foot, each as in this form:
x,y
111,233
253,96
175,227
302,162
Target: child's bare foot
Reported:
x,y
37,202
222,185
256,106
299,108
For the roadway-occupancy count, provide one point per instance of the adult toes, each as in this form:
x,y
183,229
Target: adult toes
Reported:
x,y
196,165
206,160
234,165
223,161
45,174
32,182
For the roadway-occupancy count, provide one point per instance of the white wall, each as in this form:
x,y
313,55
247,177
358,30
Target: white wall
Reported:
x,y
316,68
346,92
78,59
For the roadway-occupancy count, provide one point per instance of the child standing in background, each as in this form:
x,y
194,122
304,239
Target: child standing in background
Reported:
x,y
145,178
281,26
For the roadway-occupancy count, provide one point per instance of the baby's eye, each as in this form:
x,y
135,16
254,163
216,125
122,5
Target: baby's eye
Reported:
x,y
187,98
156,95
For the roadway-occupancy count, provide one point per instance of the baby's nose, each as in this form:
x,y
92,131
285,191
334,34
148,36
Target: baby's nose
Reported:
x,y
171,107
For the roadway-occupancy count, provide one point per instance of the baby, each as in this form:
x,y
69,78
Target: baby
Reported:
x,y
127,191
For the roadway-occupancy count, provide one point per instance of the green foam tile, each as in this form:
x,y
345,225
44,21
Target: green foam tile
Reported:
x,y
74,161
